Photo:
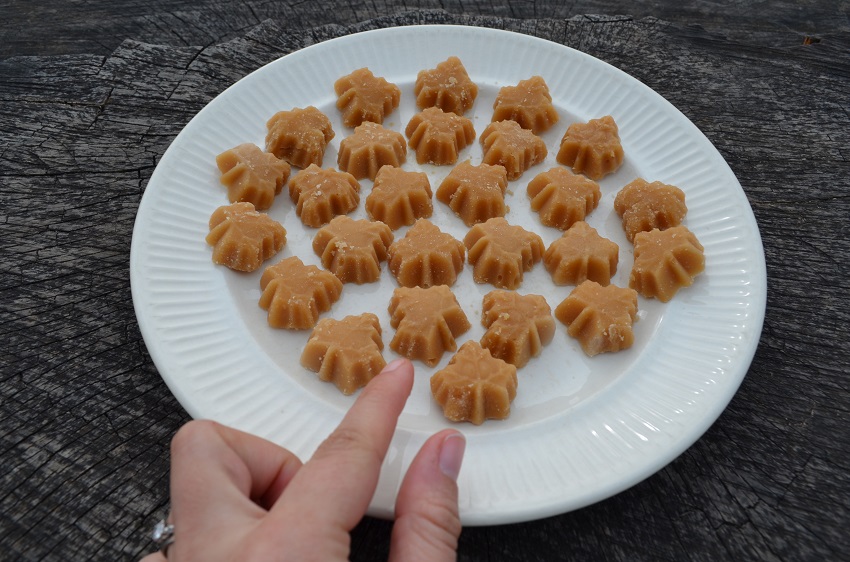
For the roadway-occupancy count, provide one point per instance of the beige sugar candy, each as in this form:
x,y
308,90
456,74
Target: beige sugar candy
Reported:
x,y
242,238
599,317
426,257
346,352
592,148
518,326
500,253
370,147
353,249
251,175
427,321
645,206
475,193
448,87
475,386
581,254
528,103
299,136
364,97
320,194
295,294
398,197
516,149
562,198
665,261
438,137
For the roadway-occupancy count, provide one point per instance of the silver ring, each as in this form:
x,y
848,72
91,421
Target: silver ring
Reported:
x,y
163,535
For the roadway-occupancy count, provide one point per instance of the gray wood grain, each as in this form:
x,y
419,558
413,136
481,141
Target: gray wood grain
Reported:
x,y
87,108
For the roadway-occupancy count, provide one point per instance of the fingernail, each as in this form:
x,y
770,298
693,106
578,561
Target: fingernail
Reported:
x,y
393,365
451,455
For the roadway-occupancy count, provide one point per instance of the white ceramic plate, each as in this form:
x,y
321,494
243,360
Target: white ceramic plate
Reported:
x,y
581,429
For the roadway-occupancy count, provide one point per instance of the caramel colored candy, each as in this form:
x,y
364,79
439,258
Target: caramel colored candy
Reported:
x,y
448,87
353,249
295,294
438,137
581,254
666,261
320,194
427,321
475,193
299,136
370,147
645,206
500,253
251,175
242,238
398,197
346,352
561,197
592,148
426,256
600,318
518,326
475,386
528,103
364,97
512,147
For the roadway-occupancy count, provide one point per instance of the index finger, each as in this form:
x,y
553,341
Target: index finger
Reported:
x,y
336,485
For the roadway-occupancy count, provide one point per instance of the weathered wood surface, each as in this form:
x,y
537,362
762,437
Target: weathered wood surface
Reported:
x,y
85,419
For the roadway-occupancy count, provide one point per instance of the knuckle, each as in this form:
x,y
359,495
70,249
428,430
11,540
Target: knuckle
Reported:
x,y
434,520
345,441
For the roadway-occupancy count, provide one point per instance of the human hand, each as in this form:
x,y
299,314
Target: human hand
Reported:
x,y
235,496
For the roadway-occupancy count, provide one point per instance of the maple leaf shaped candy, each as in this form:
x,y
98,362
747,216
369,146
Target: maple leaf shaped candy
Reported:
x,y
528,103
475,386
438,137
592,148
399,197
299,136
242,238
353,249
370,147
516,149
251,175
448,87
562,198
364,97
518,326
500,253
427,321
600,318
426,256
345,352
320,194
295,294
475,193
581,254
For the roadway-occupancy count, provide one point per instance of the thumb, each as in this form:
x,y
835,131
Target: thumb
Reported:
x,y
427,525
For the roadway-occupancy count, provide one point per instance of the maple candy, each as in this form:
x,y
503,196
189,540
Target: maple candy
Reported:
x,y
251,175
448,87
295,294
427,321
509,145
426,256
518,326
299,136
243,238
353,249
320,194
370,147
500,253
562,198
581,254
528,103
438,137
364,97
644,206
475,386
399,197
475,193
665,261
592,148
346,352
600,317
